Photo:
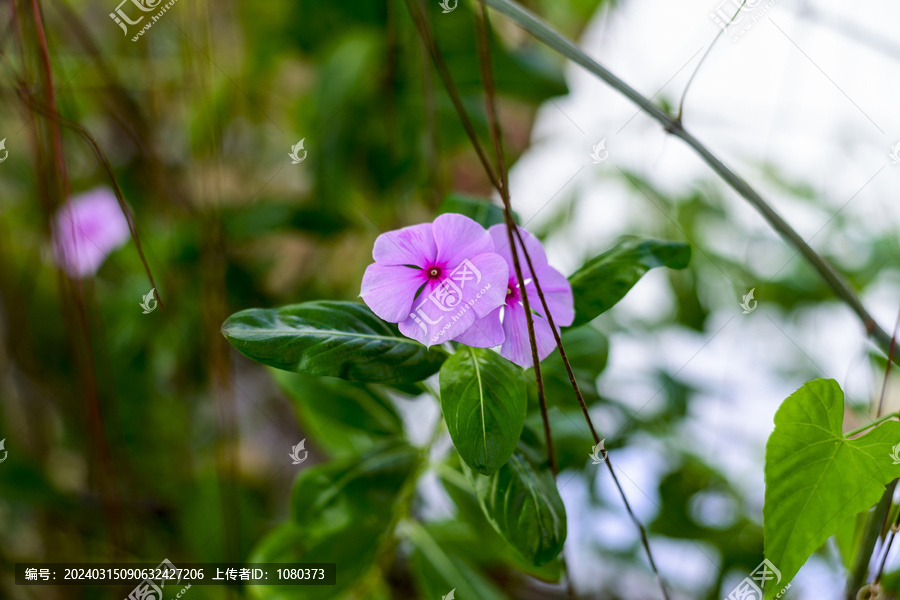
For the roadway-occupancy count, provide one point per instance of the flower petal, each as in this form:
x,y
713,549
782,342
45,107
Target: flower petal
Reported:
x,y
532,244
557,292
87,229
486,332
437,314
482,282
459,238
389,290
517,347
412,245
447,308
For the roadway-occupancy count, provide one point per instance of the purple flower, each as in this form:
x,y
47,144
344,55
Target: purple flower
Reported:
x,y
86,230
512,328
436,279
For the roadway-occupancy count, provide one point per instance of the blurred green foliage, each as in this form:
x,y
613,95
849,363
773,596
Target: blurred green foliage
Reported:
x,y
143,437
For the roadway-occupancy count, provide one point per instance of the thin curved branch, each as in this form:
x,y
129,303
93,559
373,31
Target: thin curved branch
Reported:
x,y
104,162
501,184
546,34
687,86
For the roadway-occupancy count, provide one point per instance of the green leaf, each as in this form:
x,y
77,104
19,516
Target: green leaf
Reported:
x,y
605,279
484,403
816,479
353,550
353,405
340,513
436,571
361,490
338,339
848,538
524,506
476,538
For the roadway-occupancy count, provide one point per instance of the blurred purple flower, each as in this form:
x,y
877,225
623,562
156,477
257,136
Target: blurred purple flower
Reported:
x,y
436,279
512,328
86,230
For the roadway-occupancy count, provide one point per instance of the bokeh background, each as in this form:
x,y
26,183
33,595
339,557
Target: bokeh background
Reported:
x,y
137,437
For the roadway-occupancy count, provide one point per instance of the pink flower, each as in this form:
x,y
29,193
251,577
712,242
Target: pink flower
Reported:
x,y
512,327
436,279
86,230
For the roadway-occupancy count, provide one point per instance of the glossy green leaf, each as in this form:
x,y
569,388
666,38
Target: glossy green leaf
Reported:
x,y
484,403
338,339
475,538
605,279
522,503
816,479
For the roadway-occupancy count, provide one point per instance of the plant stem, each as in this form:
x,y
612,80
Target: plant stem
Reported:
x,y
887,367
501,184
104,162
483,26
58,192
687,86
587,417
874,526
546,34
490,102
425,31
874,423
878,519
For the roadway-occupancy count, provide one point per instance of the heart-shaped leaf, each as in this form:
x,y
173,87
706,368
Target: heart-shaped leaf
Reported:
x,y
340,339
816,479
522,503
484,403
605,279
